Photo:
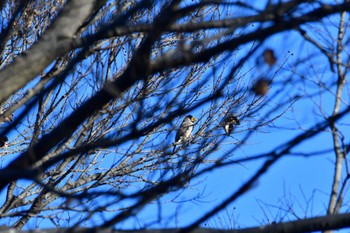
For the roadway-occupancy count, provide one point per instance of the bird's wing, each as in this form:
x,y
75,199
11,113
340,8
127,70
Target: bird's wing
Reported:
x,y
179,133
185,130
188,131
186,122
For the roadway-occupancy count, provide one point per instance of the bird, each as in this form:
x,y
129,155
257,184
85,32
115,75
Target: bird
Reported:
x,y
228,123
184,132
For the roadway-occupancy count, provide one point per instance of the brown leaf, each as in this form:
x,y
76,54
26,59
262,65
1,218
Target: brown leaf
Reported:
x,y
269,57
261,87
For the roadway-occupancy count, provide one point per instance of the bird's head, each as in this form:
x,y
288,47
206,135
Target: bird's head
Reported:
x,y
233,119
192,118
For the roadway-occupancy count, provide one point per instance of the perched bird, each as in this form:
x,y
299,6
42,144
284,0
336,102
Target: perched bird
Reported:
x,y
185,130
228,123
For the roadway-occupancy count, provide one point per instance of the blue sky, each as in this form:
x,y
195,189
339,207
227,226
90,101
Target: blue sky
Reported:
x,y
300,183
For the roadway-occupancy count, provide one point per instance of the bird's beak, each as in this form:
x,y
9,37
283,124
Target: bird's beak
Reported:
x,y
193,119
